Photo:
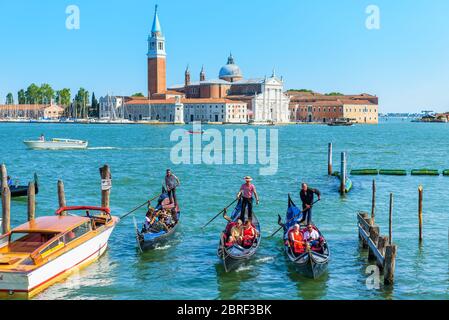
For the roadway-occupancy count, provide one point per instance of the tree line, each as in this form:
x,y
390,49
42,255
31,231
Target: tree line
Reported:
x,y
80,107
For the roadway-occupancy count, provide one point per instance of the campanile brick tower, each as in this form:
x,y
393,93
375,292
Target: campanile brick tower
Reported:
x,y
156,59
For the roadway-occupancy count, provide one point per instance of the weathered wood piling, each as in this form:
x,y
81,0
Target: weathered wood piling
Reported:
x,y
31,201
6,201
329,159
61,196
343,173
106,183
420,198
373,202
380,248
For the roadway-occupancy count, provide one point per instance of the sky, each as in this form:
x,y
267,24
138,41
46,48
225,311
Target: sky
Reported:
x,y
320,45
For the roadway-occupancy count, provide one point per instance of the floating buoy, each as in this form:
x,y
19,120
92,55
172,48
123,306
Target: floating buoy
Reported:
x,y
393,172
364,172
336,174
425,172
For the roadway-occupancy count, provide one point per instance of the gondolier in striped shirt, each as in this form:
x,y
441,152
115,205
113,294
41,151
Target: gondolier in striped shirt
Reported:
x,y
307,195
171,183
247,190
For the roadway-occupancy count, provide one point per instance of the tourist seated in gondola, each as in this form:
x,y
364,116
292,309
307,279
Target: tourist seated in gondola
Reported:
x,y
149,219
233,232
312,237
296,240
10,182
249,234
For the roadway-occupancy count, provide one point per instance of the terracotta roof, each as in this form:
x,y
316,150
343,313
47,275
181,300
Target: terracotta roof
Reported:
x,y
183,100
52,224
209,100
151,101
23,106
355,101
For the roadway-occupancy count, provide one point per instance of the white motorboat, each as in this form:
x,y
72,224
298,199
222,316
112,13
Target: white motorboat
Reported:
x,y
56,144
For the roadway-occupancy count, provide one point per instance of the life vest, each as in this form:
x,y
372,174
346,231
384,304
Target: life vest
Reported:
x,y
298,247
248,236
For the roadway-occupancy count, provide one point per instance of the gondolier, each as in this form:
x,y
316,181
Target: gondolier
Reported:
x,y
171,183
307,195
247,190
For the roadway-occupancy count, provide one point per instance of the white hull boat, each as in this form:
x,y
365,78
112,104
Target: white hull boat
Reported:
x,y
56,144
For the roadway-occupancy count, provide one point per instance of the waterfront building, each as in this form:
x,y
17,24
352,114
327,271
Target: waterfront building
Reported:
x,y
30,111
315,107
263,98
111,107
181,110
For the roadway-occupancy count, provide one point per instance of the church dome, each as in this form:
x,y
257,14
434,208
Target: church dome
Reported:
x,y
231,71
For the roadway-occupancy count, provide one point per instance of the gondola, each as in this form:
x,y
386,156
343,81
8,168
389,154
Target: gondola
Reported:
x,y
148,239
22,191
313,262
234,255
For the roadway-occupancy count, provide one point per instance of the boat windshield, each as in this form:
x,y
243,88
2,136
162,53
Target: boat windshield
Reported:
x,y
27,242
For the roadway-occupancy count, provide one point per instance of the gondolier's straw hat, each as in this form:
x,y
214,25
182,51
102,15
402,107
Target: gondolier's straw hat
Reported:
x,y
248,178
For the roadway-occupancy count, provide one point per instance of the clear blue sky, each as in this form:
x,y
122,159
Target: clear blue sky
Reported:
x,y
318,45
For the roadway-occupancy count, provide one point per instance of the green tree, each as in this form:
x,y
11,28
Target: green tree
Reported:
x,y
32,94
9,98
138,94
21,96
334,94
81,103
94,110
46,93
63,97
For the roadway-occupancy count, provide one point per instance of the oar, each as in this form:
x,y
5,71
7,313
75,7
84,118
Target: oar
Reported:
x,y
219,213
137,208
302,212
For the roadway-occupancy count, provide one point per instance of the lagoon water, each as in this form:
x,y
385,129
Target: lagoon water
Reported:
x,y
188,268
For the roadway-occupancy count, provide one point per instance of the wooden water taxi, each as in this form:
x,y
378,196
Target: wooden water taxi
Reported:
x,y
39,253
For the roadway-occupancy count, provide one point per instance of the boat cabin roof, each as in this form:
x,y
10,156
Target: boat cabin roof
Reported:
x,y
55,224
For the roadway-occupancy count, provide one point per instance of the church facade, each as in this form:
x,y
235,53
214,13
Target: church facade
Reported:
x,y
230,98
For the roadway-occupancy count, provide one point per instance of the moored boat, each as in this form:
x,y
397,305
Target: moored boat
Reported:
x,y
341,122
234,254
56,144
313,262
22,191
148,237
39,253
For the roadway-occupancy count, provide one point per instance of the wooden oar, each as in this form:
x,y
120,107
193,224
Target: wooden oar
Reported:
x,y
302,212
137,208
219,213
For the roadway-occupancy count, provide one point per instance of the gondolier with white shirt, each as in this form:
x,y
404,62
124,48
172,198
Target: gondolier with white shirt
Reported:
x,y
247,190
307,195
171,183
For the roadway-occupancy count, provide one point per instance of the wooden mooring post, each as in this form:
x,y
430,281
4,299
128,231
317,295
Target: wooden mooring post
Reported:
x,y
106,183
373,202
31,201
6,201
420,198
61,196
390,220
343,173
329,159
380,248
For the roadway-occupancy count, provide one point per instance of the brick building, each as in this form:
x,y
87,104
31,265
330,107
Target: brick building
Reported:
x,y
315,107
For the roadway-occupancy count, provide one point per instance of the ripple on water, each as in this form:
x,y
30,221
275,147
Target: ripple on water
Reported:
x,y
189,268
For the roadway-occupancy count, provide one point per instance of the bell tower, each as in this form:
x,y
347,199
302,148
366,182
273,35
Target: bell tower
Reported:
x,y
156,59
